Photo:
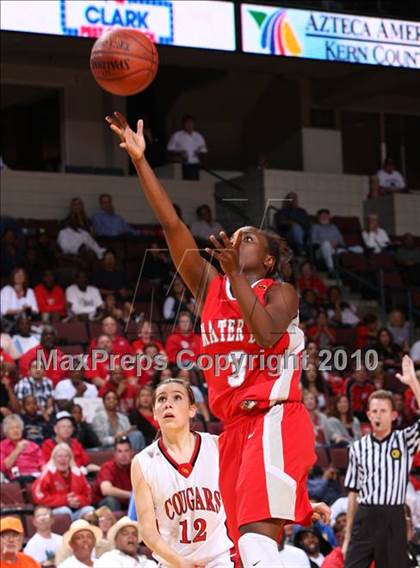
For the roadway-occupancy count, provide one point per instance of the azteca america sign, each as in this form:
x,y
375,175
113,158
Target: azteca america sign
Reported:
x,y
328,36
93,18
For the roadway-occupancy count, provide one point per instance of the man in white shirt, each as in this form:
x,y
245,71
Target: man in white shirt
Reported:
x,y
291,557
84,300
375,238
205,226
44,544
80,539
188,146
124,536
67,389
24,339
388,179
72,239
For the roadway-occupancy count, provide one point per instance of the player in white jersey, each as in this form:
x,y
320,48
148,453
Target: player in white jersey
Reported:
x,y
176,487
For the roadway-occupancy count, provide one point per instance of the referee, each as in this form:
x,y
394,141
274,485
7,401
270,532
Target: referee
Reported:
x,y
377,478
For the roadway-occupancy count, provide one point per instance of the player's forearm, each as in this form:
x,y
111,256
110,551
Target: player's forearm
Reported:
x,y
156,195
158,546
112,491
351,512
260,322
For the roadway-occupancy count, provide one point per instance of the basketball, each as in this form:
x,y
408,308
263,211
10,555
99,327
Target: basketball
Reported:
x,y
124,62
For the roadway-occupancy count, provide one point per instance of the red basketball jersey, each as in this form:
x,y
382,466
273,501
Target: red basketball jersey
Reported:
x,y
244,376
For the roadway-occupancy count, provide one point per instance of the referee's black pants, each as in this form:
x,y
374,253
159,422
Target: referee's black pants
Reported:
x,y
379,533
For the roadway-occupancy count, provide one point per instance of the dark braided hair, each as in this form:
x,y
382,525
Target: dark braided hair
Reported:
x,y
279,249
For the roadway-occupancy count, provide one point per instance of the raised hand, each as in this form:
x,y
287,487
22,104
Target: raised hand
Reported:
x,y
408,376
226,252
132,142
321,511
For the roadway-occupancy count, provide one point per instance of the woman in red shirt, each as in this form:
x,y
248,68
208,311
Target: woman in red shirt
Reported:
x,y
308,280
62,486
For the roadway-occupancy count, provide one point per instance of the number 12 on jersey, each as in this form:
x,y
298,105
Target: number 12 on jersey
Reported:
x,y
199,528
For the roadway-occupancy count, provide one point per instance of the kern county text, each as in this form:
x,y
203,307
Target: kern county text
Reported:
x,y
237,362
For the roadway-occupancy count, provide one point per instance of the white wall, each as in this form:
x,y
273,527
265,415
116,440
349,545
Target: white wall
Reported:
x,y
42,195
342,194
322,150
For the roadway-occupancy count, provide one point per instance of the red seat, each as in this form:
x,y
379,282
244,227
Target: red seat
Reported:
x,y
100,456
347,224
72,349
345,336
393,280
352,239
215,428
383,260
339,458
323,459
197,425
72,332
12,497
392,383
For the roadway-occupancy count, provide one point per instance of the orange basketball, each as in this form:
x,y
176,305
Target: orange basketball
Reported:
x,y
124,62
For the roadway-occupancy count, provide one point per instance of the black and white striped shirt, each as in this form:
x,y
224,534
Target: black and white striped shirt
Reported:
x,y
378,469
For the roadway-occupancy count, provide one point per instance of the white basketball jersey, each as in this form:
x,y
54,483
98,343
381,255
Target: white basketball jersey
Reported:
x,y
188,505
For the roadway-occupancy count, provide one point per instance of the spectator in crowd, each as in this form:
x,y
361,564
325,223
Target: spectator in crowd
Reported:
x,y
6,346
202,408
63,434
74,240
118,384
106,223
367,331
408,258
49,352
142,415
404,417
17,297
110,424
358,390
83,431
12,251
157,265
44,544
188,146
178,301
323,485
62,486
77,215
111,280
313,543
388,180
293,223
308,280
318,419
111,309
287,273
205,225
50,298
183,338
328,237
124,537
113,482
415,353
341,314
81,539
399,328
98,371
11,541
84,301
322,332
343,428
106,519
378,376
25,338
291,556
8,400
120,345
39,386
375,238
308,307
145,337
36,427
388,351
313,382
18,457
75,386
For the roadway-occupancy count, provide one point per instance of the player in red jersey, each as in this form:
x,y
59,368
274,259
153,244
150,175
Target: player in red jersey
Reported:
x,y
267,448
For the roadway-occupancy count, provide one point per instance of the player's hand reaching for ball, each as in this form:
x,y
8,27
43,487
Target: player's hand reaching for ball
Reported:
x,y
131,141
226,252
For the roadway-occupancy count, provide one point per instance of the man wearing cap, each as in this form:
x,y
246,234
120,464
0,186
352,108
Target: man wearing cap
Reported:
x,y
63,429
11,539
313,543
80,539
125,537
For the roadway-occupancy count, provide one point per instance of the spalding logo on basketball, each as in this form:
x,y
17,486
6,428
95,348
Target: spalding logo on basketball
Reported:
x,y
124,62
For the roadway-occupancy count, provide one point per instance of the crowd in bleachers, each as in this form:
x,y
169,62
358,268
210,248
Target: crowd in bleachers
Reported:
x,y
71,288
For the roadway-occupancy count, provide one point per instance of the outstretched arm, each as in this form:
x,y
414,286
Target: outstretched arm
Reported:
x,y
196,272
409,378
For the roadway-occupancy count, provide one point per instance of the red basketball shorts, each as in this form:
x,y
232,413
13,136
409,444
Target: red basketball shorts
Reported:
x,y
264,463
